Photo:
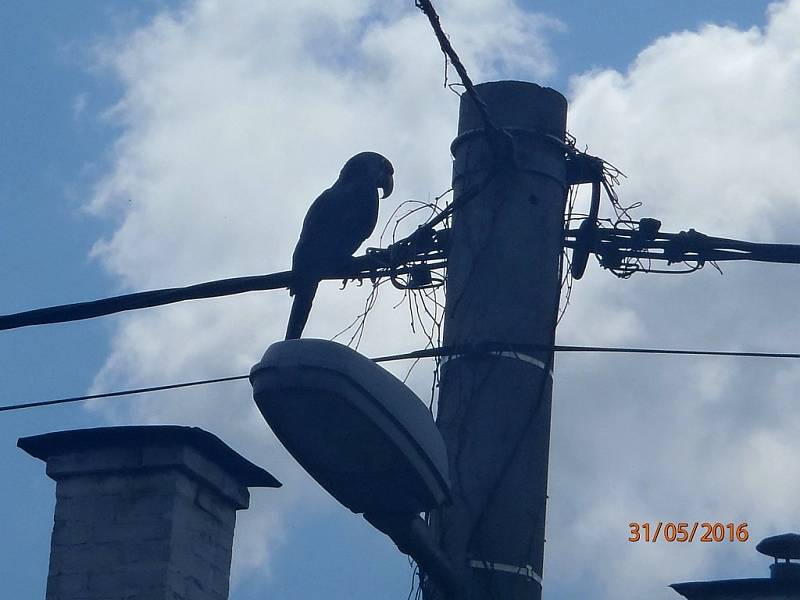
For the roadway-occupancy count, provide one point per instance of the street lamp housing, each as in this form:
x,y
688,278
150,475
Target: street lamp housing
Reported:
x,y
354,427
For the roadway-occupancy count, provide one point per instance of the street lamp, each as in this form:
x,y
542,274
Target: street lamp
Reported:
x,y
363,435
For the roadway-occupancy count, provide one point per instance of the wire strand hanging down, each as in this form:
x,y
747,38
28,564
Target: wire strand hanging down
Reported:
x,y
419,354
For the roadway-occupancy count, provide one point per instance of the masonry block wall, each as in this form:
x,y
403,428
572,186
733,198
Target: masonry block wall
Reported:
x,y
143,513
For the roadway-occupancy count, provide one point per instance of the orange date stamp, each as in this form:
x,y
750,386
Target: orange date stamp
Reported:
x,y
667,531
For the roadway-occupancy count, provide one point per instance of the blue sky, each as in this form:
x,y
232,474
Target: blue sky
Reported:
x,y
131,135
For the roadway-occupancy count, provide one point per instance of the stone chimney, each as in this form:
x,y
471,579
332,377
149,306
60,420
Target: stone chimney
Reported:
x,y
143,512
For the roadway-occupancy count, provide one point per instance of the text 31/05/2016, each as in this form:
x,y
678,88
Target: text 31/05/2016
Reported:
x,y
705,531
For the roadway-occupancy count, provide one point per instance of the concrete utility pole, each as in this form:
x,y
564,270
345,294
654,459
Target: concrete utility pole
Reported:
x,y
502,287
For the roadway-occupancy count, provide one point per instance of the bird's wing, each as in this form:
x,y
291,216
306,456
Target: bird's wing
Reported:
x,y
337,223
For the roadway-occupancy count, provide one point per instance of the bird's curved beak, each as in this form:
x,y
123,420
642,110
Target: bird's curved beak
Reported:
x,y
386,184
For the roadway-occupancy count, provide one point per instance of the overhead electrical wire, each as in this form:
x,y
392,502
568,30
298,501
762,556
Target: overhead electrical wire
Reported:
x,y
363,267
419,354
106,306
144,390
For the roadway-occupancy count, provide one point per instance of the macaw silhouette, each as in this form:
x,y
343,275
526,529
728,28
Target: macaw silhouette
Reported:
x,y
338,222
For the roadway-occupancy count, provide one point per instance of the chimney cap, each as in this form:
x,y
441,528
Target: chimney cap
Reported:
x,y
59,442
786,546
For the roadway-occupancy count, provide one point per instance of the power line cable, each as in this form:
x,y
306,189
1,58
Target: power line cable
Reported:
x,y
116,304
157,388
444,43
463,351
495,348
367,266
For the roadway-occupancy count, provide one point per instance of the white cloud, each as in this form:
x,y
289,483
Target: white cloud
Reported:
x,y
234,117
705,125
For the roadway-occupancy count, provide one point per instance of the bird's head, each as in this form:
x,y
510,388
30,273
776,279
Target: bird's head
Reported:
x,y
375,167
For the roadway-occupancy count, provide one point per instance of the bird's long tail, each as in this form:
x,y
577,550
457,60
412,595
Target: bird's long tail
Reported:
x,y
301,307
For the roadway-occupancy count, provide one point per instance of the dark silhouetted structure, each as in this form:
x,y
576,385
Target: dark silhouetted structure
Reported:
x,y
143,512
364,436
782,584
502,288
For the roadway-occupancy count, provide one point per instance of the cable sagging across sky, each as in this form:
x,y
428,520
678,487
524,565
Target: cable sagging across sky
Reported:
x,y
426,353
